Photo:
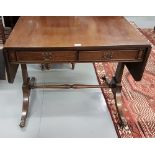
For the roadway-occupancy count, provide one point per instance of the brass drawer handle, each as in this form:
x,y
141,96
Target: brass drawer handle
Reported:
x,y
107,55
47,56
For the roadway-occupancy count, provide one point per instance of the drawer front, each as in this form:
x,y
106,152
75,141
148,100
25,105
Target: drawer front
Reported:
x,y
111,55
43,57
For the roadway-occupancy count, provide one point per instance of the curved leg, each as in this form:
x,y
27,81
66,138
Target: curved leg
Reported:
x,y
26,88
28,84
115,85
26,94
119,106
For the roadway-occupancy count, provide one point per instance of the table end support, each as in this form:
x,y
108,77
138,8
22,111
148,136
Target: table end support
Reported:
x,y
28,84
115,85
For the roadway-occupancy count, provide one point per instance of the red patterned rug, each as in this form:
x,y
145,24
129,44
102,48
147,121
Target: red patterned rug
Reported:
x,y
138,97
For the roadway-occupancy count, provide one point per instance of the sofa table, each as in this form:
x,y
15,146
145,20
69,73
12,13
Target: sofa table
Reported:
x,y
44,40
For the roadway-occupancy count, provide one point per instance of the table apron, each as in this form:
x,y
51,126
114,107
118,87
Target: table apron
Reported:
x,y
75,56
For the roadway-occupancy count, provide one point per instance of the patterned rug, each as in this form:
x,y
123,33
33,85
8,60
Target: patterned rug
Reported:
x,y
138,97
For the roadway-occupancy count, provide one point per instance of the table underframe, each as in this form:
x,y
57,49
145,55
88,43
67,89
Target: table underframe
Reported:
x,y
114,84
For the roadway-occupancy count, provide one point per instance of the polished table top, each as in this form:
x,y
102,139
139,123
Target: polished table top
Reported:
x,y
71,31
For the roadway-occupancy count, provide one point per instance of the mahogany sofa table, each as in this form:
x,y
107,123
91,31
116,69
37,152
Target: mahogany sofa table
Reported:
x,y
44,40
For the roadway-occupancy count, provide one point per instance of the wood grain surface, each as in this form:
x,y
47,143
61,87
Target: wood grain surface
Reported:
x,y
73,31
